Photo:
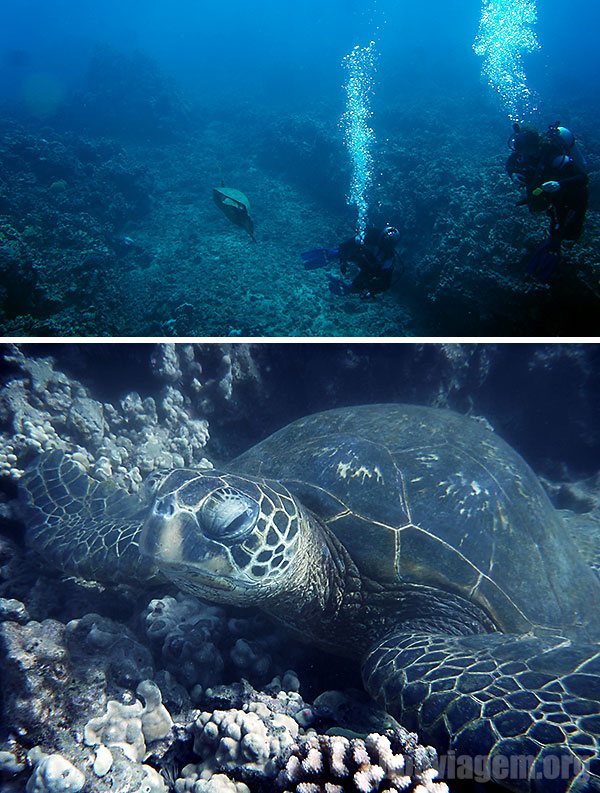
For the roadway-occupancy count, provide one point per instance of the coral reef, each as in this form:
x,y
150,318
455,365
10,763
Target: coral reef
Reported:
x,y
45,409
184,631
129,727
35,670
215,377
60,679
261,744
191,782
201,645
53,774
247,742
62,230
121,238
336,764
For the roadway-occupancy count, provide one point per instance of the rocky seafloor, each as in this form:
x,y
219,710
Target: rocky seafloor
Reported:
x,y
113,688
107,225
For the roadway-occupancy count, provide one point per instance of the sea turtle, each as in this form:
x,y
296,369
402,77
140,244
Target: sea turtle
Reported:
x,y
410,538
235,206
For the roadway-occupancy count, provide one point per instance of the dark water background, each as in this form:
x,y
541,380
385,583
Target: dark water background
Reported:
x,y
195,91
540,398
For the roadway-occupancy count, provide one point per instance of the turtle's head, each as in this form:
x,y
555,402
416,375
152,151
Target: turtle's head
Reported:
x,y
223,537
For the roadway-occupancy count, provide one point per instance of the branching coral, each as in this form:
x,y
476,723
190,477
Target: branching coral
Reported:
x,y
336,764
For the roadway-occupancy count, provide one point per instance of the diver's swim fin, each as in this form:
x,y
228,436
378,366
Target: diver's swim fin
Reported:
x,y
319,257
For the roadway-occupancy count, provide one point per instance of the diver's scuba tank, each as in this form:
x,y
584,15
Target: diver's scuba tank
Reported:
x,y
519,169
512,141
571,152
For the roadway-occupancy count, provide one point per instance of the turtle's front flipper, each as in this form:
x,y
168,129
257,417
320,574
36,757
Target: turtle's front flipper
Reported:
x,y
531,703
81,526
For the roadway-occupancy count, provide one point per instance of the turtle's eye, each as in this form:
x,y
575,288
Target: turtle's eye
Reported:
x,y
228,514
152,482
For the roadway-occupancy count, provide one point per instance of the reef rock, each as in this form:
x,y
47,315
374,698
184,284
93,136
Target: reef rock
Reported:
x,y
53,774
41,408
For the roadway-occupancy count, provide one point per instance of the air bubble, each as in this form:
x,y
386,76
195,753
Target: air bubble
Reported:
x,y
359,137
505,35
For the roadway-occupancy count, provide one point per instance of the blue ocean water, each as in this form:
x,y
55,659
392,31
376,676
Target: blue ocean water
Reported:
x,y
197,93
290,51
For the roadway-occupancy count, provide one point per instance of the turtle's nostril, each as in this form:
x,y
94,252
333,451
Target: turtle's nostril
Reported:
x,y
165,507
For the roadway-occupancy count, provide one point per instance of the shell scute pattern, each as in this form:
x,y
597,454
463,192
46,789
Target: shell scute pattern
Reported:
x,y
176,480
452,506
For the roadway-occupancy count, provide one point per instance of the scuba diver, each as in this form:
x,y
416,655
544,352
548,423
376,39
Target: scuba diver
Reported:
x,y
552,170
375,256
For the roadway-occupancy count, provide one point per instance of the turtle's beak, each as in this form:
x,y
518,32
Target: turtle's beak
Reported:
x,y
172,538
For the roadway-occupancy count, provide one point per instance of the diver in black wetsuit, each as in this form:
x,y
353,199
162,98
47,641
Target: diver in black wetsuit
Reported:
x,y
375,257
552,170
